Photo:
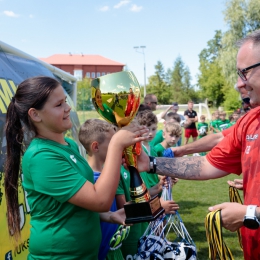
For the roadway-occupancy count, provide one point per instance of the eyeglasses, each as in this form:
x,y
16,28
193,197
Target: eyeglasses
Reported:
x,y
154,102
242,73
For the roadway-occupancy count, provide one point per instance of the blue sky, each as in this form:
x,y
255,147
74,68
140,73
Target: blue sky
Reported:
x,y
168,29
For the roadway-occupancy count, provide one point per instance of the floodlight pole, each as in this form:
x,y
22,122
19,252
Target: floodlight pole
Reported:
x,y
142,52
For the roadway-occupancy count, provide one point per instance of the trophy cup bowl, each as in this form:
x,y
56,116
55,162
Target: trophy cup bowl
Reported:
x,y
116,97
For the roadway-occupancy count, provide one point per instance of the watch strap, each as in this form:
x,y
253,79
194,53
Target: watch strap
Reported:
x,y
152,164
250,211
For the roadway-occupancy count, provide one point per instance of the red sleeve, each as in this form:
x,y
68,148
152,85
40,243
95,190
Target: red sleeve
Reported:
x,y
226,156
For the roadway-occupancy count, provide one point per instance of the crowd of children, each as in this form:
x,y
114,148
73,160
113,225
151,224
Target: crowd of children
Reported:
x,y
220,123
95,135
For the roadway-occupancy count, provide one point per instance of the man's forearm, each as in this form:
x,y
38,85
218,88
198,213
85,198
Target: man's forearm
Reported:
x,y
188,168
202,145
183,168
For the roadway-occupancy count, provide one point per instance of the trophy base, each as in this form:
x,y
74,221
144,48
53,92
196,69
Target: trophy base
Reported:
x,y
143,211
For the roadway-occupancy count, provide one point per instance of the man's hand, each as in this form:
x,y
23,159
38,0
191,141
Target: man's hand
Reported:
x,y
177,151
237,183
232,215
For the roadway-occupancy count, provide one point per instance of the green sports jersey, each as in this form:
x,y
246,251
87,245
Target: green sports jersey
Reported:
x,y
158,138
202,129
152,179
53,173
159,150
214,124
222,125
129,246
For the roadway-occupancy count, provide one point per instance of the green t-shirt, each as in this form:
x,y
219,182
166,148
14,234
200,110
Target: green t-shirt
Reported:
x,y
222,125
231,123
53,173
204,126
214,124
159,150
129,246
152,179
107,113
158,138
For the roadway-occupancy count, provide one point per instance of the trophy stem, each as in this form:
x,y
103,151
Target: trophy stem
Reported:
x,y
138,190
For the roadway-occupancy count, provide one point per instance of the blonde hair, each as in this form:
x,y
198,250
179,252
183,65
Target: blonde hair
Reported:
x,y
173,128
93,130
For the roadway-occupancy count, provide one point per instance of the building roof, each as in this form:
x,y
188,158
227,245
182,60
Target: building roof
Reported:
x,y
76,59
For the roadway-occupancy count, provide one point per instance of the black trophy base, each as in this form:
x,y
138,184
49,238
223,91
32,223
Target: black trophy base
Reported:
x,y
143,211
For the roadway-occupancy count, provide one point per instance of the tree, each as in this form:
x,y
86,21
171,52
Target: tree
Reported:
x,y
157,85
242,17
211,80
84,101
180,84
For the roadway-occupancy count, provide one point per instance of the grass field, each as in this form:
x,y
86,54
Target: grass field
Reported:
x,y
194,198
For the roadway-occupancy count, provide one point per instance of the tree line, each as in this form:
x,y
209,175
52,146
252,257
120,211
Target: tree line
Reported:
x,y
217,70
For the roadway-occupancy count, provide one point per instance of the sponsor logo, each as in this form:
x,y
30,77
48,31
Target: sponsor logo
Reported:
x,y
8,256
125,175
72,157
251,137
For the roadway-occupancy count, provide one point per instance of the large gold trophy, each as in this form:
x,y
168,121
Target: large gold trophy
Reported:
x,y
116,98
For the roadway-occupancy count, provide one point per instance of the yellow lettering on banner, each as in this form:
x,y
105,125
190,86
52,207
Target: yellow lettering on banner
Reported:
x,y
9,249
6,94
12,85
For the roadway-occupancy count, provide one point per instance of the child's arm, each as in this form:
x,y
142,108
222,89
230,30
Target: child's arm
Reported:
x,y
99,196
157,188
169,206
120,201
116,217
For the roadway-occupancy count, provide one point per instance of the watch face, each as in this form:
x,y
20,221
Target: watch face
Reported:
x,y
251,223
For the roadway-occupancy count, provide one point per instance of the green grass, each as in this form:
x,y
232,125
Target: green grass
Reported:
x,y
194,198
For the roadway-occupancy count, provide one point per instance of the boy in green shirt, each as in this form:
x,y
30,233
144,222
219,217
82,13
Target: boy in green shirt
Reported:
x,y
223,123
202,127
214,122
95,135
171,134
149,119
170,117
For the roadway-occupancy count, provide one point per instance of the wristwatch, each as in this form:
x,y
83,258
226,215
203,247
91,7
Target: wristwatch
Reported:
x,y
250,220
152,164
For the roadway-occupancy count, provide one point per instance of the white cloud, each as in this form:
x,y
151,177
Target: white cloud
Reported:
x,y
136,8
10,14
121,3
31,16
104,8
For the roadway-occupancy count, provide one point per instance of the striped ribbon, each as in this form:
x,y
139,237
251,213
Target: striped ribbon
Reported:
x,y
235,197
217,247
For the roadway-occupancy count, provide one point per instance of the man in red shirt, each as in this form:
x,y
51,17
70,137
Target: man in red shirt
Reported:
x,y
238,152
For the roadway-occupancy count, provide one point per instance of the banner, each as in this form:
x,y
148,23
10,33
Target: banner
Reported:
x,y
13,70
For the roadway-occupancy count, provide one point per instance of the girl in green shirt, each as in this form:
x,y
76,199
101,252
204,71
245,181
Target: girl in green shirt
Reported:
x,y
61,195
